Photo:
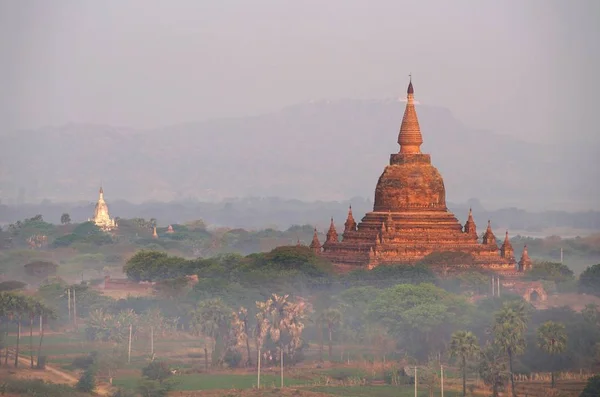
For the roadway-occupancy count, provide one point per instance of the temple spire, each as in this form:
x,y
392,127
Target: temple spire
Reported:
x,y
506,251
525,262
488,237
315,244
470,227
350,224
410,138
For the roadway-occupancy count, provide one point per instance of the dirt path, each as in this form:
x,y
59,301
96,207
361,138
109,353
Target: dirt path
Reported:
x,y
63,376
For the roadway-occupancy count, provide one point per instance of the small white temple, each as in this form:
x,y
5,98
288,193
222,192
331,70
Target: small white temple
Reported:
x,y
101,216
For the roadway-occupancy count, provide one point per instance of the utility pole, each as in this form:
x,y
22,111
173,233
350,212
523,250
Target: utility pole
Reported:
x,y
498,287
69,302
416,381
152,340
129,348
74,309
442,380
561,255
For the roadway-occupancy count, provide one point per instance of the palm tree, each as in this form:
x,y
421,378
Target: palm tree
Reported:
x,y
212,319
240,325
260,332
332,318
288,317
509,328
552,338
30,304
19,307
493,367
464,345
46,313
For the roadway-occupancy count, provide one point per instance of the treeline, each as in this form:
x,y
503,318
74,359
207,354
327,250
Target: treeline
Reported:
x,y
258,213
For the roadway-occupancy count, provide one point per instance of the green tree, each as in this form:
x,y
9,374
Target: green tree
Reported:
x,y
65,219
551,271
87,381
510,324
11,285
157,370
552,338
592,388
421,316
493,367
41,269
331,318
464,345
154,266
212,318
589,280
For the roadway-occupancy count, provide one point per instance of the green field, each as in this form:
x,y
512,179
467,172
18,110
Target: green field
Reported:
x,y
379,391
215,381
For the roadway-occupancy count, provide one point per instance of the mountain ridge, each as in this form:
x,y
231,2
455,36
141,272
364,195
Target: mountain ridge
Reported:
x,y
324,150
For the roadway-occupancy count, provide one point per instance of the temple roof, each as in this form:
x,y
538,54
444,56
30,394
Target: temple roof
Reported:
x,y
409,137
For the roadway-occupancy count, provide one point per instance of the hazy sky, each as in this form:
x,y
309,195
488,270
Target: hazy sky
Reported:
x,y
527,68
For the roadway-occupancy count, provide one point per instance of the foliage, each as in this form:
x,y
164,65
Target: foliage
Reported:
x,y
592,388
11,285
510,324
108,327
552,339
65,219
154,266
421,316
41,269
37,388
212,318
493,367
589,280
152,388
157,370
464,345
87,381
550,271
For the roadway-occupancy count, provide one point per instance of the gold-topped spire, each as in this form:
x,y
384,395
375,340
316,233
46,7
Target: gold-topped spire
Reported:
x,y
410,138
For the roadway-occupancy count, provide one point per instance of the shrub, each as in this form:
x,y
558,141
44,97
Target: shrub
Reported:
x,y
157,370
85,362
87,381
232,358
592,389
37,388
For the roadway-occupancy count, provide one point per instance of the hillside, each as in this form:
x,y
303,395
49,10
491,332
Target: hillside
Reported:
x,y
315,151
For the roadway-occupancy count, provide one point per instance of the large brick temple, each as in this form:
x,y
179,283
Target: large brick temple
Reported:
x,y
410,219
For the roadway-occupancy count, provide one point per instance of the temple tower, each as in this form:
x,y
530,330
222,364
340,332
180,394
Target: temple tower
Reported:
x,y
488,236
101,216
506,250
410,219
315,244
470,227
525,262
332,236
350,224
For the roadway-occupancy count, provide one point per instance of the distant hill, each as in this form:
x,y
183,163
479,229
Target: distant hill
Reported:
x,y
331,150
